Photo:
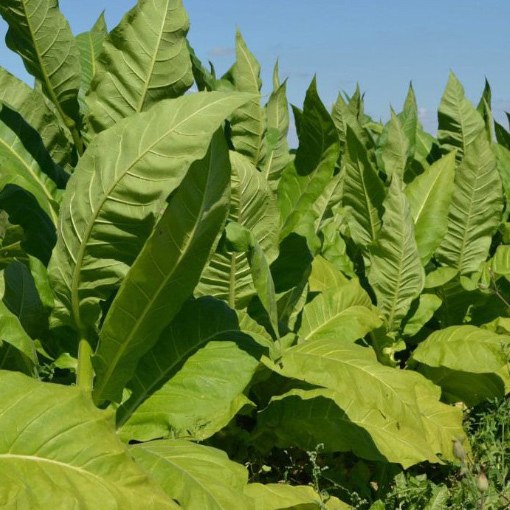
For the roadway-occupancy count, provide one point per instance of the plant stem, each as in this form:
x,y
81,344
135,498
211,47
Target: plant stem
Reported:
x,y
84,372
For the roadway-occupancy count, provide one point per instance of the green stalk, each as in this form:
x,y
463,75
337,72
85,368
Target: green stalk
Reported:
x,y
84,372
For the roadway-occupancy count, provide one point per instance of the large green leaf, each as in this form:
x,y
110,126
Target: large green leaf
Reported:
x,y
343,314
13,335
145,59
399,409
165,272
396,273
503,161
32,107
304,180
459,122
118,188
191,383
26,163
253,206
41,35
22,299
277,154
248,123
469,363
394,147
58,450
464,348
324,276
475,210
90,46
429,197
198,477
363,192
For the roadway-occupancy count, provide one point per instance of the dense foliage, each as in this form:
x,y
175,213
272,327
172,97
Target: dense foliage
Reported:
x,y
192,312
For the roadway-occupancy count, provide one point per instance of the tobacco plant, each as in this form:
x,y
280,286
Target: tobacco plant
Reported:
x,y
178,286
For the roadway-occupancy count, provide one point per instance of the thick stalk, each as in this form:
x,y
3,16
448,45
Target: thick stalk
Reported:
x,y
84,372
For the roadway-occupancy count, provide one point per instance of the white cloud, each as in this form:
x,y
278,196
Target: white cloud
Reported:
x,y
221,51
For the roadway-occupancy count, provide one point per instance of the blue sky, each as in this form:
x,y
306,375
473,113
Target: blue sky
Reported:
x,y
381,44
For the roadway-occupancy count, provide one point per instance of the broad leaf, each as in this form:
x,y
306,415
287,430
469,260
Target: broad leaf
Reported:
x,y
191,383
145,59
394,147
48,458
399,409
305,179
459,122
325,276
41,35
396,273
199,477
343,314
469,363
363,192
32,107
475,210
166,271
228,276
425,309
429,197
26,163
464,348
118,189
248,123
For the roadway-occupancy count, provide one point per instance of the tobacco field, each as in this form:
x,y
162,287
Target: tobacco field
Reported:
x,y
194,315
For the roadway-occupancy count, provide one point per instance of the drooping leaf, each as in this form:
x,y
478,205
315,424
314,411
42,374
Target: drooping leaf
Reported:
x,y
248,122
39,231
464,348
198,476
90,46
459,122
191,383
145,59
363,193
22,299
425,309
241,239
165,272
396,273
41,35
117,190
429,197
399,409
48,458
228,276
26,163
466,362
32,107
343,314
13,335
475,210
304,180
